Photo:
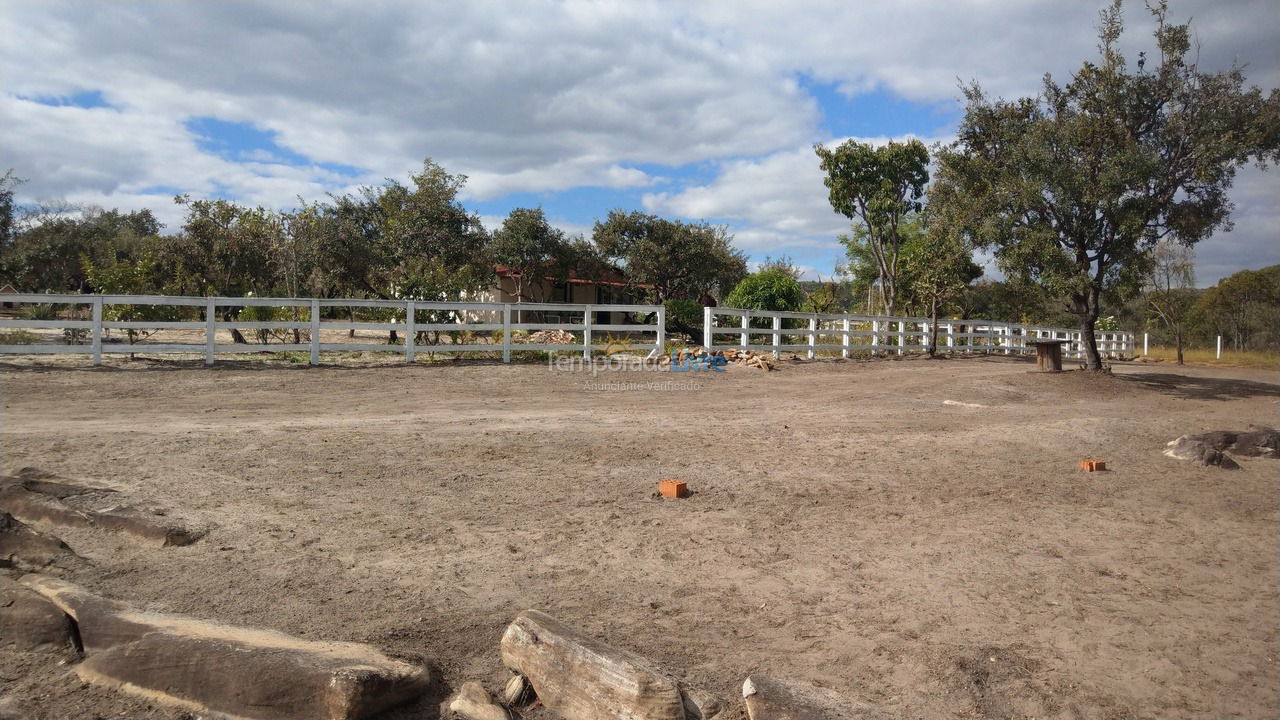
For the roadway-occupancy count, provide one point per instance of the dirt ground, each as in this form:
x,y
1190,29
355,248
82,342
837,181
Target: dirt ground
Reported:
x,y
847,527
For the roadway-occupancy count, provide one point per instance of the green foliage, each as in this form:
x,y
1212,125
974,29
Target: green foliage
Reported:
x,y
1074,187
8,182
18,337
683,316
48,255
133,276
527,244
767,290
676,259
879,188
1244,308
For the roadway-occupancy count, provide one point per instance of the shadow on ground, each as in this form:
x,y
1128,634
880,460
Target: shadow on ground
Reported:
x,y
1202,388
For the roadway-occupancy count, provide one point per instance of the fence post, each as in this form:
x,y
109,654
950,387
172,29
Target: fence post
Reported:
x,y
813,335
706,328
875,336
506,333
777,337
951,341
315,331
844,353
210,330
661,333
410,331
97,330
902,336
745,338
1219,357
586,333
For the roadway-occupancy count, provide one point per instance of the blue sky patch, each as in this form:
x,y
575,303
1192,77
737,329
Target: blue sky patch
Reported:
x,y
86,99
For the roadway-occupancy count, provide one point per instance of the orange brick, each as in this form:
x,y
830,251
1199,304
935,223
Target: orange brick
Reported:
x,y
673,489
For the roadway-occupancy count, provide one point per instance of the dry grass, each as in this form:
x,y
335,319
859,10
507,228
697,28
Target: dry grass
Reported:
x,y
1267,359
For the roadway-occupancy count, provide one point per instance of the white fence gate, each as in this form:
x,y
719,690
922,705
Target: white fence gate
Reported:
x,y
882,333
409,317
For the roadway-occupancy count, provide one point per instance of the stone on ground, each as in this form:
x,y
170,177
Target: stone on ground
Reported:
x,y
584,679
1219,446
473,702
205,667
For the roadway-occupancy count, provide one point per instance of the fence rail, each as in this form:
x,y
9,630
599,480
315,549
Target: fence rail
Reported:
x,y
410,317
883,333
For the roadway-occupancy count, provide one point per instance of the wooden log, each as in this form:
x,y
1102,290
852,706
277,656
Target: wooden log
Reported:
x,y
584,679
769,698
207,668
28,621
29,549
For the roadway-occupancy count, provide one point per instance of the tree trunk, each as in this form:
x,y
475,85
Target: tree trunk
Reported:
x,y
236,335
933,328
1177,338
1088,316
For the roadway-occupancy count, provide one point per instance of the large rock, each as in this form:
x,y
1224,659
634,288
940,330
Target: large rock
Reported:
x,y
769,698
1218,447
209,668
29,549
473,702
28,621
584,679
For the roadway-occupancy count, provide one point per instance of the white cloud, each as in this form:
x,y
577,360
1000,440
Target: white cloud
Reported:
x,y
538,97
776,202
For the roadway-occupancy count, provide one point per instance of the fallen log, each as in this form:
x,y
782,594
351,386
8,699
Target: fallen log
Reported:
x,y
29,549
28,621
769,698
205,667
584,679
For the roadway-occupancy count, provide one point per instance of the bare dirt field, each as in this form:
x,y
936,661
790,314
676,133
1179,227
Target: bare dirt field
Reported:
x,y
847,527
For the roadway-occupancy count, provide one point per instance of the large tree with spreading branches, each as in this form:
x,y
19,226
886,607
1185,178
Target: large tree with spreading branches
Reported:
x,y
1073,188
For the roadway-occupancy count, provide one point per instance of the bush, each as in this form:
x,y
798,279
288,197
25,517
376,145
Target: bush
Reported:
x,y
767,290
683,315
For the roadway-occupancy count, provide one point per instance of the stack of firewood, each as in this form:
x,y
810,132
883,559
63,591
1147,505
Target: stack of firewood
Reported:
x,y
732,356
552,337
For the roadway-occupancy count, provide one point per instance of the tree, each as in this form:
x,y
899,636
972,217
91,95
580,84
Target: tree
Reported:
x,y
771,289
878,188
1170,288
527,244
1074,187
47,249
940,261
1242,306
7,183
674,258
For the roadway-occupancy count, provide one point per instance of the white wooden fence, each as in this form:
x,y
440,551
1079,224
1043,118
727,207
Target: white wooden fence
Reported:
x,y
880,333
410,317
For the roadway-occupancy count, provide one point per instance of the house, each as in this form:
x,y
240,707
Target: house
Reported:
x,y
607,287
8,289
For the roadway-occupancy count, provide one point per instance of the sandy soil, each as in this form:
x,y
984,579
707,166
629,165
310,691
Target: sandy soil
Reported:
x,y
848,528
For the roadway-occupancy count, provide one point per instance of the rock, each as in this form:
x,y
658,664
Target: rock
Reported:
x,y
29,549
518,692
472,702
583,679
769,698
207,668
1218,447
28,621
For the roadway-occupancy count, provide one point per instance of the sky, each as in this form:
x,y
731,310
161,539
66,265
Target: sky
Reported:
x,y
699,111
